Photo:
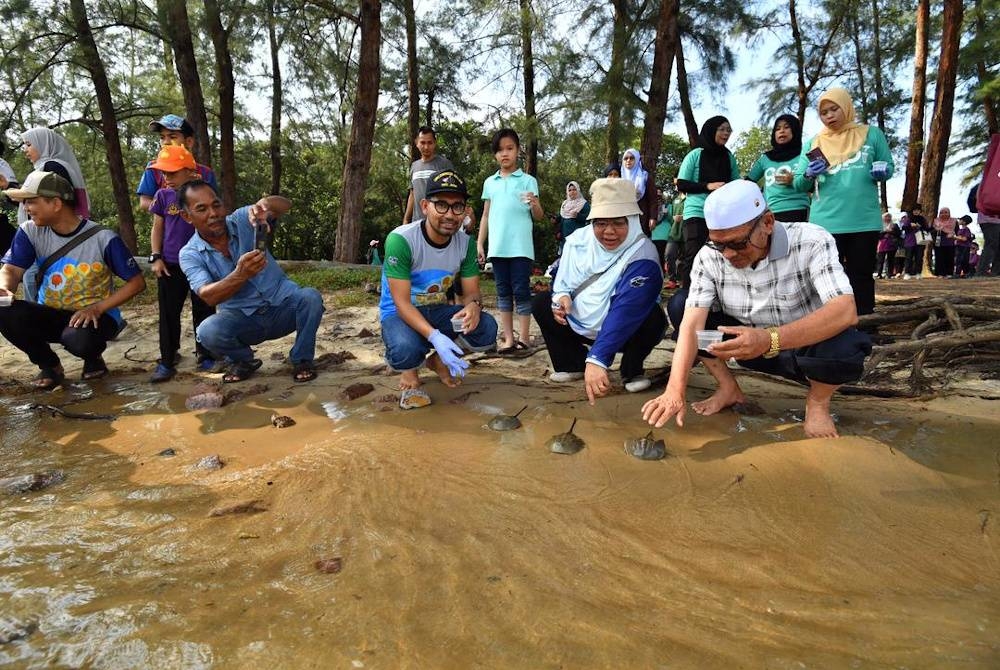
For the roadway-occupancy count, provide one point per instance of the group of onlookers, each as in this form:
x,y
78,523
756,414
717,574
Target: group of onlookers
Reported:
x,y
947,245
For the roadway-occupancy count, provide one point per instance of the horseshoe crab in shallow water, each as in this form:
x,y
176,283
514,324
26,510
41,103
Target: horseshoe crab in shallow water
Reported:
x,y
566,443
506,421
646,448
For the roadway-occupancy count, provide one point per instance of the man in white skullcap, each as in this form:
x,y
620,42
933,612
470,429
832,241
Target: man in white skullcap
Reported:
x,y
779,295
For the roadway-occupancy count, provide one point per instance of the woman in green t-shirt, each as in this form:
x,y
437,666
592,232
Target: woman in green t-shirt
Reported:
x,y
844,187
777,168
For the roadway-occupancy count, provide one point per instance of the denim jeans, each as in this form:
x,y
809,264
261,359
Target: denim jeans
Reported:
x,y
406,349
229,333
513,278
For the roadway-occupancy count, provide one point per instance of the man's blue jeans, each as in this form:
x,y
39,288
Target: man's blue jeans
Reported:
x,y
229,332
405,349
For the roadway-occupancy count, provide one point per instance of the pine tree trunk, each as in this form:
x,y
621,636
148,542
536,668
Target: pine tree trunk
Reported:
x,y
412,77
801,92
527,56
879,88
227,97
664,50
359,148
915,150
109,123
944,106
615,82
177,28
277,101
685,95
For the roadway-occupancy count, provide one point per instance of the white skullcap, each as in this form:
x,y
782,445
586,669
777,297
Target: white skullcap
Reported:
x,y
733,204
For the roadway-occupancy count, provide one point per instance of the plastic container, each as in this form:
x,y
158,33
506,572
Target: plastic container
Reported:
x,y
708,337
458,324
6,300
880,166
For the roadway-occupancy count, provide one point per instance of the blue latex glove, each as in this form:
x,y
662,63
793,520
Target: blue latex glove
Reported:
x,y
816,167
879,175
449,352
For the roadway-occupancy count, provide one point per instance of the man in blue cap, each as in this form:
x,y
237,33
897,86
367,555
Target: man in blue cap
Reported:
x,y
172,129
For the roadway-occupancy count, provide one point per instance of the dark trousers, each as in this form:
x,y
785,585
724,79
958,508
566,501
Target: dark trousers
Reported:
x,y
792,215
962,260
32,327
885,263
172,291
857,255
568,349
837,360
914,260
695,236
944,261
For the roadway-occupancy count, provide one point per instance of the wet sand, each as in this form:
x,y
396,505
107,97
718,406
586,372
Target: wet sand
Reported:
x,y
749,546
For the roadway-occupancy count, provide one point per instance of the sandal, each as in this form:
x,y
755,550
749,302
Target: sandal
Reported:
x,y
241,370
516,350
414,399
48,378
93,370
303,372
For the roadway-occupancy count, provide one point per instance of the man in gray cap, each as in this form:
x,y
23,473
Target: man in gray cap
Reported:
x,y
778,292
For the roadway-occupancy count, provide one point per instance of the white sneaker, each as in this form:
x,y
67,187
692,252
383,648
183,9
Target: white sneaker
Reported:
x,y
638,384
563,377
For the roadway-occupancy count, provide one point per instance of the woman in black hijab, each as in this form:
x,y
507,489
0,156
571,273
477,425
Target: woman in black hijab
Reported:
x,y
777,168
703,170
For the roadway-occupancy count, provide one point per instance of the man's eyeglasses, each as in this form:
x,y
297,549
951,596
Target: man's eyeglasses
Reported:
x,y
442,207
735,245
602,224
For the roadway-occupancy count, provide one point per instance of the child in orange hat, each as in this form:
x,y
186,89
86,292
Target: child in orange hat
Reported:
x,y
170,233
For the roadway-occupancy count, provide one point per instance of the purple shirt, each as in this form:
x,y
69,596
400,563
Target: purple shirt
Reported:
x,y
176,231
963,236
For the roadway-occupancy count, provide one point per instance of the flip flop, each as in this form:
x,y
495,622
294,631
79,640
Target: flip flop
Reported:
x,y
93,370
303,372
241,370
47,379
414,399
518,350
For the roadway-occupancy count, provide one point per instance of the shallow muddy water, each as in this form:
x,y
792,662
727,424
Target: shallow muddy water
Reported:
x,y
748,546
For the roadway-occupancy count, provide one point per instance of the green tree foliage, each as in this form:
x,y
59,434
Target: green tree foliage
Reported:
x,y
750,145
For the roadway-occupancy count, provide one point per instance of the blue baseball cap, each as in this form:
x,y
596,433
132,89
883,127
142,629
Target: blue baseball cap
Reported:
x,y
172,122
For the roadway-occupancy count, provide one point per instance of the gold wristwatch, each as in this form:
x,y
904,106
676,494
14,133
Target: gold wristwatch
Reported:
x,y
775,343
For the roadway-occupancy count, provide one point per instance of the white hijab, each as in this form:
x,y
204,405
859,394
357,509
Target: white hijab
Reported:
x,y
52,146
584,257
636,174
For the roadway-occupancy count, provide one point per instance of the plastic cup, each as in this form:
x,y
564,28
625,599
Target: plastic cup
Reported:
x,y
6,300
458,324
880,166
708,337
526,197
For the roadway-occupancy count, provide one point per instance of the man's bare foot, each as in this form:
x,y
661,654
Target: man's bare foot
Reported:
x,y
409,380
435,363
818,421
718,401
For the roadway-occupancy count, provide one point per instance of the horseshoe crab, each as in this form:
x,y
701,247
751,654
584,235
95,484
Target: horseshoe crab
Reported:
x,y
646,448
566,443
506,421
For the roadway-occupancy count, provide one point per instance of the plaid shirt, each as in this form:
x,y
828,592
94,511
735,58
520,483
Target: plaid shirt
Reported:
x,y
801,272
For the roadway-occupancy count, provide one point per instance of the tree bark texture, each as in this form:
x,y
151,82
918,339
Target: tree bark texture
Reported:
x,y
528,66
879,88
615,82
685,94
174,18
801,93
915,149
109,123
665,46
944,106
412,77
227,98
359,148
277,96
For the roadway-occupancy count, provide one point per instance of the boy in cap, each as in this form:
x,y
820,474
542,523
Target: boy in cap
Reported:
x,y
77,306
779,292
172,129
421,261
169,234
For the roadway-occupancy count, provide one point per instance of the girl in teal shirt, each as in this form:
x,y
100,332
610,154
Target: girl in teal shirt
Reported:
x,y
777,168
844,186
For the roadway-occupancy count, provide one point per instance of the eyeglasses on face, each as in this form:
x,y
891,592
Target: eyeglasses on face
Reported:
x,y
735,245
602,224
442,207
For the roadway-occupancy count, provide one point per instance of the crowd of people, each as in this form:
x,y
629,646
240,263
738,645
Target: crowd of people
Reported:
x,y
779,263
